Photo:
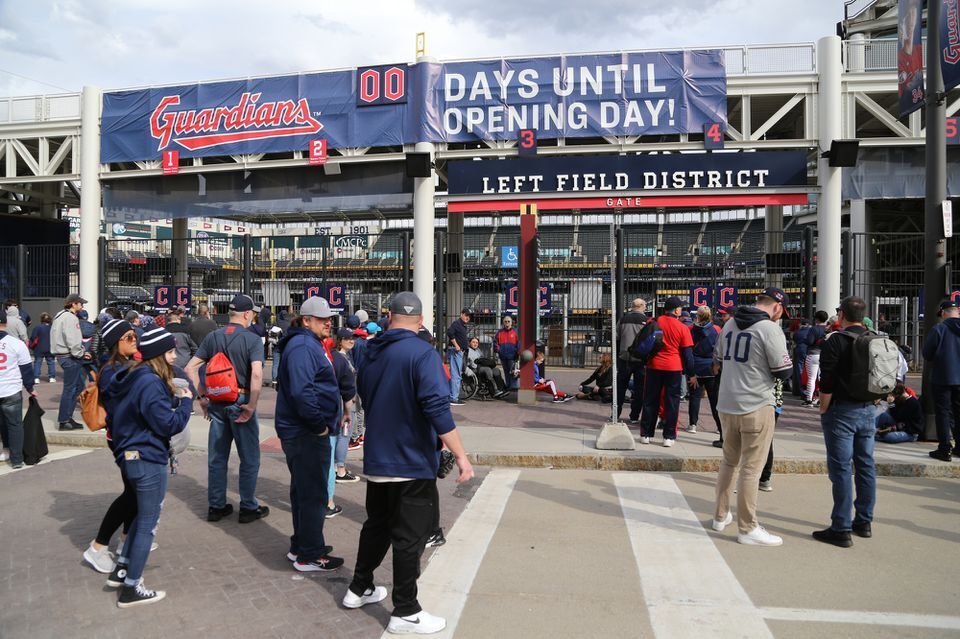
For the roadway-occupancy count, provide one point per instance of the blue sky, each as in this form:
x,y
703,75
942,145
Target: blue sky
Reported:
x,y
125,43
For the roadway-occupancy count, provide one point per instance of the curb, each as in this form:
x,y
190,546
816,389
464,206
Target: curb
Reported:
x,y
612,462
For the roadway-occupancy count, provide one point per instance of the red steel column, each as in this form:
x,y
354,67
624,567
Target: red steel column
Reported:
x,y
529,301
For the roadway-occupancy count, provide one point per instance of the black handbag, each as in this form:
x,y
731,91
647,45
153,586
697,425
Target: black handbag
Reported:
x,y
34,440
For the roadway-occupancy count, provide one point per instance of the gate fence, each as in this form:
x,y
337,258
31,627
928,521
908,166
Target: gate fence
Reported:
x,y
39,271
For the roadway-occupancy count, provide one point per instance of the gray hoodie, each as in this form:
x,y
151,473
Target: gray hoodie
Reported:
x,y
15,325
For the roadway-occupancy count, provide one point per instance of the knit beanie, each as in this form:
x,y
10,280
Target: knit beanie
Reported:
x,y
156,342
113,331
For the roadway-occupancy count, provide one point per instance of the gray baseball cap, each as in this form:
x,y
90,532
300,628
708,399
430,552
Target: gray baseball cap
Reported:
x,y
317,307
406,303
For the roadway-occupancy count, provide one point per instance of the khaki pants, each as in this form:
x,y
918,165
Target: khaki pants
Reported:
x,y
746,441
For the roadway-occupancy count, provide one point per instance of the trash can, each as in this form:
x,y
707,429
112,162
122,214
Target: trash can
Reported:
x,y
578,355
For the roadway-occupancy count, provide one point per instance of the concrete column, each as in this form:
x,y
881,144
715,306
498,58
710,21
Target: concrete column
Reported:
x,y
424,221
773,225
90,196
181,234
830,69
860,260
454,287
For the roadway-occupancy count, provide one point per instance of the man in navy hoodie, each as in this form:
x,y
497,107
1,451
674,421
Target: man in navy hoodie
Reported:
x,y
308,409
406,397
942,350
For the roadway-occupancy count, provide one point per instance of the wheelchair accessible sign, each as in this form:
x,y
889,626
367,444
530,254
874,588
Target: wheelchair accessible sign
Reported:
x,y
509,257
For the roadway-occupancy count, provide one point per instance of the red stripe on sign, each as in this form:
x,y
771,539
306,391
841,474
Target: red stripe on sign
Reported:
x,y
647,201
207,141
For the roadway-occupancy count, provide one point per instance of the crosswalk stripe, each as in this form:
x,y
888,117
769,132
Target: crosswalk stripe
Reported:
x,y
689,589
6,469
863,617
444,585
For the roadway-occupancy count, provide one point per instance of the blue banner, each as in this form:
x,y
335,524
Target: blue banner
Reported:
x,y
544,299
950,43
335,294
721,296
166,296
561,96
910,56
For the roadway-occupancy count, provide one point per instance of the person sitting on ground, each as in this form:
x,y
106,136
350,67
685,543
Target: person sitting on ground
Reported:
x,y
486,369
603,378
547,385
903,421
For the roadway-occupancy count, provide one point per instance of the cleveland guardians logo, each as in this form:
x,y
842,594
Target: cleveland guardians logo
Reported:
x,y
249,119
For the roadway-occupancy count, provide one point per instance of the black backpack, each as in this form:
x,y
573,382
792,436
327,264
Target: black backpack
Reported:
x,y
647,343
874,362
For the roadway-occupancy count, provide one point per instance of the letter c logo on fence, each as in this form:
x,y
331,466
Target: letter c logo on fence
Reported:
x,y
183,296
727,296
161,296
335,296
311,291
699,296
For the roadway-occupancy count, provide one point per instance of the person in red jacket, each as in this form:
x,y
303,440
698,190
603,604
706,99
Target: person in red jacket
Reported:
x,y
664,373
506,344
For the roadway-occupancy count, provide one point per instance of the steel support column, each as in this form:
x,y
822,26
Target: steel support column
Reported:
x,y
90,275
528,316
830,68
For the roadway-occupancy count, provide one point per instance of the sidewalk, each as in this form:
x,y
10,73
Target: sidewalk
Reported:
x,y
501,433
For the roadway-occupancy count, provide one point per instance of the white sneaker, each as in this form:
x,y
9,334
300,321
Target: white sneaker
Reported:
x,y
372,595
644,440
5,454
669,442
101,560
720,524
36,380
422,623
52,380
123,540
692,428
766,486
760,537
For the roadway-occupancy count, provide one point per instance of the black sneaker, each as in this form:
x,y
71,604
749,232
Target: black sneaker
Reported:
x,y
246,516
138,595
347,478
835,537
942,455
330,513
216,514
325,563
71,425
718,443
292,556
447,460
863,529
436,539
115,580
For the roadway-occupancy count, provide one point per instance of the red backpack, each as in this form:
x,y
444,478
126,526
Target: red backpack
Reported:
x,y
221,378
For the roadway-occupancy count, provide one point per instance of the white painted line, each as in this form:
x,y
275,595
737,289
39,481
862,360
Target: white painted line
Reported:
x,y
689,589
444,585
863,617
6,469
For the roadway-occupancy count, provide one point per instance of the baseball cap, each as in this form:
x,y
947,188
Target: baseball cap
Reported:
x,y
373,327
73,298
242,303
778,295
947,304
353,322
465,311
723,310
345,333
317,307
672,303
406,303
131,315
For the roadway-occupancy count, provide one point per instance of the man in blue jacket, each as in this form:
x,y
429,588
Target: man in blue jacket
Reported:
x,y
458,339
942,350
308,410
406,397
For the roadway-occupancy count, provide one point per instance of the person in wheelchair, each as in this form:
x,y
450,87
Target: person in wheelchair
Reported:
x,y
603,378
490,379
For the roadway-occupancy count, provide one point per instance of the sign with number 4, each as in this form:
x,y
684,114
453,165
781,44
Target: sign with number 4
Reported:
x,y
713,135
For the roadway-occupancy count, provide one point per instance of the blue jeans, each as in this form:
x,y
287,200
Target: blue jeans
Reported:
x,y
11,426
513,383
894,437
275,370
332,475
51,366
73,383
848,433
308,459
150,481
223,431
343,442
455,361
946,408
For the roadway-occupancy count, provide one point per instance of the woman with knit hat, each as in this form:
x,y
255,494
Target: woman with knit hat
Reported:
x,y
148,409
120,340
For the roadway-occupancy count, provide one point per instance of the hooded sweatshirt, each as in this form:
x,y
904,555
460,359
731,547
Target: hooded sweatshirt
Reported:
x,y
704,341
753,351
942,350
144,414
406,398
308,398
15,325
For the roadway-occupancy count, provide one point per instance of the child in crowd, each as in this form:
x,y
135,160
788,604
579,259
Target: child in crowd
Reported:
x,y
547,385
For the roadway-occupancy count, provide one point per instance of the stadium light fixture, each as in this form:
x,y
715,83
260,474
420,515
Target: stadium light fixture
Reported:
x,y
842,153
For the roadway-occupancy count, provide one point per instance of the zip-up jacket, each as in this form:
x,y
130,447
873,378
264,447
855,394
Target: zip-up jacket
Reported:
x,y
145,414
308,398
704,341
41,333
506,343
630,326
942,350
65,336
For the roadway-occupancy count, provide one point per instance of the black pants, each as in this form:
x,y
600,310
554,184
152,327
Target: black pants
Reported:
x,y
666,385
711,385
946,407
491,377
308,459
401,515
121,512
626,370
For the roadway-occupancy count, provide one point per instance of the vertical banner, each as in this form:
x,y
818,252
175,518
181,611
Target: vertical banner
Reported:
x,y
950,43
910,56
335,294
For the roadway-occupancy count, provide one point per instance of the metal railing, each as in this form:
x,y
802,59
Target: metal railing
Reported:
x,y
864,56
853,8
40,108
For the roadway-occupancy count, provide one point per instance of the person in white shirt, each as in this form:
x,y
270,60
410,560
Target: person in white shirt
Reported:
x,y
16,372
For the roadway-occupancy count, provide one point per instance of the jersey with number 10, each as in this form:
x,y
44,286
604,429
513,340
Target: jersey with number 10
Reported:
x,y
749,356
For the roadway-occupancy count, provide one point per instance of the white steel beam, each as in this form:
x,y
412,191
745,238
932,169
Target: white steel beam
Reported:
x,y
882,114
25,155
777,116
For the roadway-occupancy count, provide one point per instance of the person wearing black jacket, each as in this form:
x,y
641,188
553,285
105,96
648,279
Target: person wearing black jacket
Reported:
x,y
629,327
903,421
457,344
849,428
603,378
704,334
